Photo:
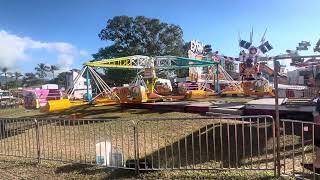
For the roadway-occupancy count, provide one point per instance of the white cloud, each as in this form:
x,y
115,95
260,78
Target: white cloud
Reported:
x,y
13,50
83,53
65,61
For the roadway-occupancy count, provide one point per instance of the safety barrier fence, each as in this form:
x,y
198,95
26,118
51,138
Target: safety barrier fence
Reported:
x,y
91,141
311,92
201,143
206,143
298,139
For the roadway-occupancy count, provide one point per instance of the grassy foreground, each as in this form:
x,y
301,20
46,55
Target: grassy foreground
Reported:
x,y
23,169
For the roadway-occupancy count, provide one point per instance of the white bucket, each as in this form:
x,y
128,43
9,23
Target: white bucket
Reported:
x,y
105,157
103,151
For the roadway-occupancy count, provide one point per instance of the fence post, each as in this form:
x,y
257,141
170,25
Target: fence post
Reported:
x,y
38,141
277,118
136,148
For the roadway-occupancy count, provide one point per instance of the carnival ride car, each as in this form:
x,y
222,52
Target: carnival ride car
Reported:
x,y
252,81
146,86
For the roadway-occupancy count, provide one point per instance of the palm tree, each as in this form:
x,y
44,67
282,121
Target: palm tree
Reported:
x,y
5,72
52,69
42,70
30,79
17,75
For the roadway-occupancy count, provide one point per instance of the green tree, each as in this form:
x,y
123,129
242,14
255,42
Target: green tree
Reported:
x,y
137,36
52,69
17,76
41,70
185,48
60,79
31,79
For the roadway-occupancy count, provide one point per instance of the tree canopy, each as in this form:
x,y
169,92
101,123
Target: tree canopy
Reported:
x,y
42,70
52,69
138,36
30,79
60,79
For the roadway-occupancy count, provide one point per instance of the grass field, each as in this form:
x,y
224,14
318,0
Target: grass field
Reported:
x,y
11,168
72,142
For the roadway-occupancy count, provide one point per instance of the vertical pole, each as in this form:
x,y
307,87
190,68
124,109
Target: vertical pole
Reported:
x,y
277,129
217,79
89,96
38,141
136,148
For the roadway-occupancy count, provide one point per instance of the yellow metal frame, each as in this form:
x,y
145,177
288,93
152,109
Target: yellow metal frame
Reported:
x,y
140,62
122,62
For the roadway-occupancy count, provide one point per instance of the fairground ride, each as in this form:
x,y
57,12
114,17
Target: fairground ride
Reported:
x,y
205,69
204,52
253,83
143,89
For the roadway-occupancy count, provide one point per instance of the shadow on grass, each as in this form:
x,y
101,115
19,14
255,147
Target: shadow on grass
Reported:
x,y
79,168
14,128
85,169
219,145
130,174
226,144
81,112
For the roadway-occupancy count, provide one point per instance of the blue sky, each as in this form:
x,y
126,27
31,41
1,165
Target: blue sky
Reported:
x,y
50,26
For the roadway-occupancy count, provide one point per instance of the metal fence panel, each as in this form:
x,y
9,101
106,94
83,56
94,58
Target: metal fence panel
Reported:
x,y
311,92
90,141
297,147
203,143
245,143
17,138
